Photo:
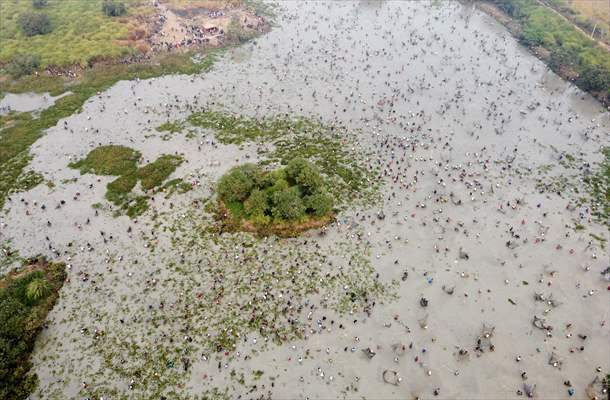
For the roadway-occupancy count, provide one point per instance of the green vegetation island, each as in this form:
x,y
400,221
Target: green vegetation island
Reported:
x,y
283,201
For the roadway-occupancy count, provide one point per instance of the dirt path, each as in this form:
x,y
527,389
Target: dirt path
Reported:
x,y
172,29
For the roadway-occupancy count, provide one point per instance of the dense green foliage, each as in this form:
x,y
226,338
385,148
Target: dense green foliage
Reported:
x,y
39,3
22,64
25,300
122,162
35,23
291,194
113,9
569,48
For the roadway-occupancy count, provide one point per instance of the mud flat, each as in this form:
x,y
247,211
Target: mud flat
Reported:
x,y
460,278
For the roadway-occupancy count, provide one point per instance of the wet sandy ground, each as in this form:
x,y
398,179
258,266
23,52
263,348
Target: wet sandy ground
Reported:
x,y
440,93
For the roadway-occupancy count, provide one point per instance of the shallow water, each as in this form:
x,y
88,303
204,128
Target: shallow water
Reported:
x,y
439,76
26,102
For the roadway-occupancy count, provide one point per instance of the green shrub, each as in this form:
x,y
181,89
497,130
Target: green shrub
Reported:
x,y
113,9
288,205
310,179
257,204
39,3
319,204
595,77
23,64
37,289
35,23
277,186
237,184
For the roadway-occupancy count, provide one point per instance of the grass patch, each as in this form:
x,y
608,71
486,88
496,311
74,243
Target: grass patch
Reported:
x,y
155,173
81,33
26,297
122,161
598,187
108,160
176,186
14,178
171,127
118,190
235,129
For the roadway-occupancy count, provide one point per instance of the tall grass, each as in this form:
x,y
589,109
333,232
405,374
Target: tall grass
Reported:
x,y
81,31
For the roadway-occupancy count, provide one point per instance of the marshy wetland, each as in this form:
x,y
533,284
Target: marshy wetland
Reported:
x,y
464,254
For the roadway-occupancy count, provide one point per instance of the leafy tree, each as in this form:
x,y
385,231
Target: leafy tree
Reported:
x,y
271,177
304,173
279,185
595,77
35,23
568,54
254,172
38,289
23,64
256,204
113,9
294,168
310,179
39,3
12,319
320,203
287,204
237,184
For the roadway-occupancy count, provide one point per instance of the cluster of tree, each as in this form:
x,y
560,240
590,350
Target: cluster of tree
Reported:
x,y
24,303
568,47
34,23
285,194
113,9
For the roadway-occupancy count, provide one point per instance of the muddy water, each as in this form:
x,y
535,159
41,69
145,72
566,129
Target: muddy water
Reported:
x,y
460,117
26,102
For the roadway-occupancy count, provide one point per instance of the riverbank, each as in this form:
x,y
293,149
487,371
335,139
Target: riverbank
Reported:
x,y
26,297
557,42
